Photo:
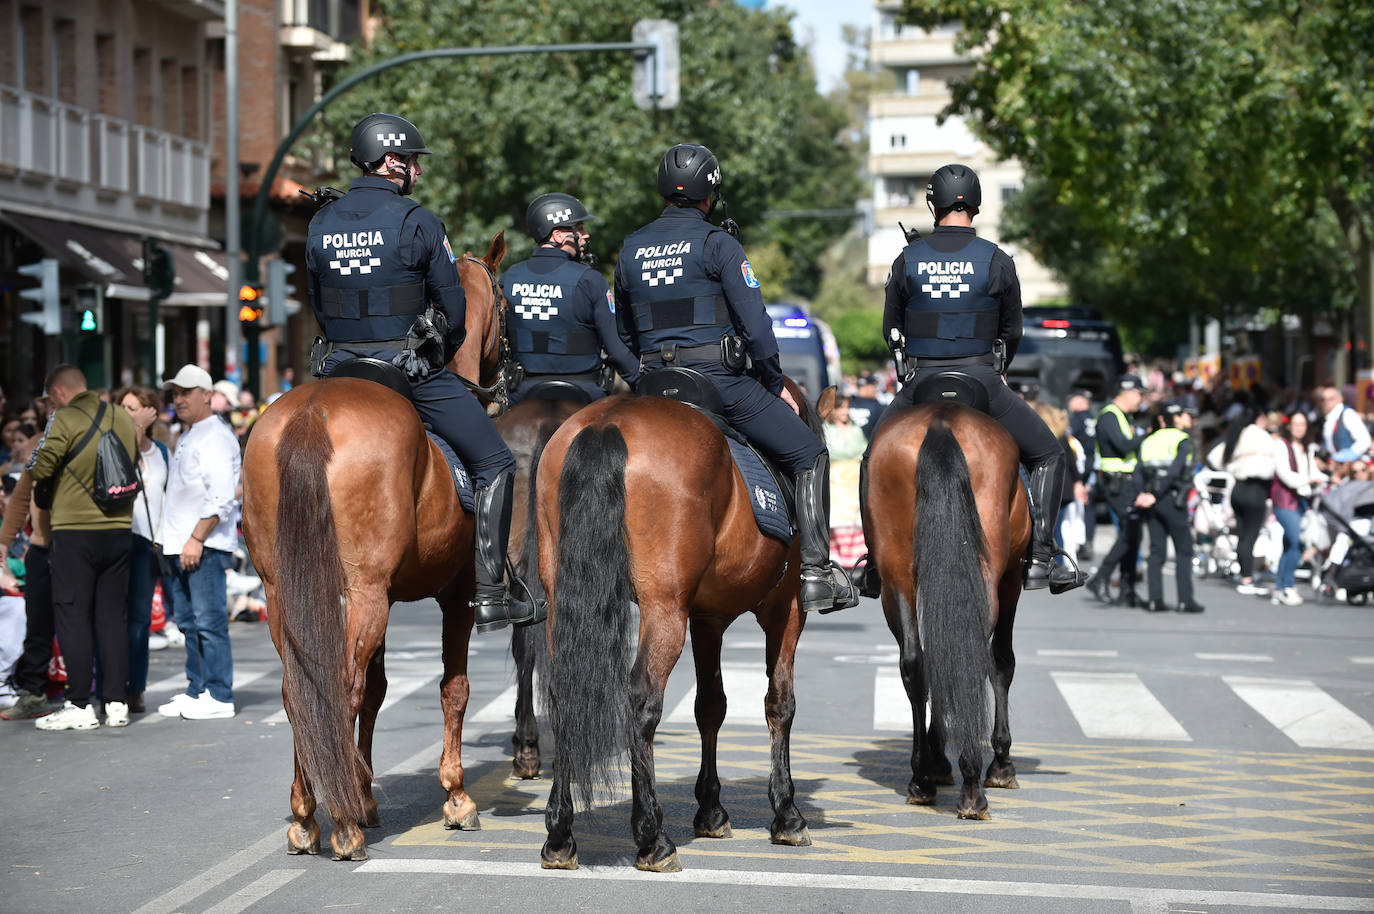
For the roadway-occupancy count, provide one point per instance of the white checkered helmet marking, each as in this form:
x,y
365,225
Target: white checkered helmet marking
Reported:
x,y
552,211
391,139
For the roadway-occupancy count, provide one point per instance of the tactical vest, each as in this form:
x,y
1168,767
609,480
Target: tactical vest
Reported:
x,y
366,292
1157,452
542,310
949,313
673,300
1114,463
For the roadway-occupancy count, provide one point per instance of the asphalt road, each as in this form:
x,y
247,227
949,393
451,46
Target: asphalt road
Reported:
x,y
1221,762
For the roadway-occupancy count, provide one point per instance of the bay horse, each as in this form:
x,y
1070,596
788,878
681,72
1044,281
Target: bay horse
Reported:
x,y
639,500
948,523
347,508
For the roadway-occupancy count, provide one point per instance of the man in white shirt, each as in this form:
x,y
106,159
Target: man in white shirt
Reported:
x,y
199,529
1344,433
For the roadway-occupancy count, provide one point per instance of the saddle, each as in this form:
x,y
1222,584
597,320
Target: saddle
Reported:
x,y
773,494
952,386
556,388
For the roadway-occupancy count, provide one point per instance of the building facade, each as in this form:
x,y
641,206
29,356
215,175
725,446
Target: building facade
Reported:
x,y
907,145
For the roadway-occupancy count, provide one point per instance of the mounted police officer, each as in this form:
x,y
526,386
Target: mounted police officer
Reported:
x,y
953,301
383,284
1163,477
686,295
1116,462
561,311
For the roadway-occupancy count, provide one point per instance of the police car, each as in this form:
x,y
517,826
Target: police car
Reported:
x,y
810,355
1067,348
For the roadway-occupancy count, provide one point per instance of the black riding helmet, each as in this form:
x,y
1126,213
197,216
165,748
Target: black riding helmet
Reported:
x,y
954,187
688,173
554,211
377,134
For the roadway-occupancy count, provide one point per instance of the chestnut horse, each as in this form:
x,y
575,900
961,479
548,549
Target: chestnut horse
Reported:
x,y
638,500
951,580
347,508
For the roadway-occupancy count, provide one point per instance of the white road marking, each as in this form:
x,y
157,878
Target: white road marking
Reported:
x,y
1236,658
1065,652
746,684
1362,659
1117,706
255,891
891,706
1309,716
397,687
177,683
500,709
1138,898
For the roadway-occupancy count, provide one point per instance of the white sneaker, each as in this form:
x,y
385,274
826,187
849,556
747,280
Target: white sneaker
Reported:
x,y
173,707
72,718
116,714
207,707
1288,596
174,636
157,641
1252,590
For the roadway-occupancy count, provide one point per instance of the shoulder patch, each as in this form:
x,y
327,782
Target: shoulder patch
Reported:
x,y
610,300
750,279
448,248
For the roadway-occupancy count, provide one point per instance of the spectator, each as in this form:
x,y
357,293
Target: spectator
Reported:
x,y
1082,425
1344,434
1247,453
30,677
864,406
90,550
1294,479
1074,492
847,443
224,396
23,438
199,530
288,379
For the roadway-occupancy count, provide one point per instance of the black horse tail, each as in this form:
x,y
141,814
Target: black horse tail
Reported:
x,y
592,654
310,589
531,640
952,607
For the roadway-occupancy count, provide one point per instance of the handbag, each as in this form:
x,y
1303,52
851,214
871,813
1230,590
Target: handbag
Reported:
x,y
161,566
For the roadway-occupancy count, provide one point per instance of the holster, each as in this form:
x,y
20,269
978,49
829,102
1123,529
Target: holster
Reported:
x,y
1113,483
319,353
732,353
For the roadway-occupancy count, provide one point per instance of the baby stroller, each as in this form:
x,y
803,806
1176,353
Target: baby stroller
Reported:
x,y
1214,526
1350,564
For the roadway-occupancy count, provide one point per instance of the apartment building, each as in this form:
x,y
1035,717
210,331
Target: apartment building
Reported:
x,y
907,145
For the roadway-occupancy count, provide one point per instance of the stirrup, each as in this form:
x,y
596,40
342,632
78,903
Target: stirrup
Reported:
x,y
1079,578
842,594
539,609
864,577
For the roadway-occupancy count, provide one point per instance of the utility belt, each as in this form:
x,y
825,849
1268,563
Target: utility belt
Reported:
x,y
1116,483
729,352
597,377
422,350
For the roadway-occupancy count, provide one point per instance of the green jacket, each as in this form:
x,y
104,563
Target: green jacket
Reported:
x,y
72,506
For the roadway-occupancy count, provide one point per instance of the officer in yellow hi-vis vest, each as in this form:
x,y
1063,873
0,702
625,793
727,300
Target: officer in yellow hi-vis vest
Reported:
x,y
1164,475
1116,461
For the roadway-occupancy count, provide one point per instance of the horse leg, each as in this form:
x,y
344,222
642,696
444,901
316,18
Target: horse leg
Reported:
x,y
560,848
920,790
663,632
368,608
524,642
1001,771
459,809
712,821
973,803
373,696
303,835
780,706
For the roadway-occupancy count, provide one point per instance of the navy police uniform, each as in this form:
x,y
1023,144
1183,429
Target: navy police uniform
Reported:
x,y
376,261
561,315
681,285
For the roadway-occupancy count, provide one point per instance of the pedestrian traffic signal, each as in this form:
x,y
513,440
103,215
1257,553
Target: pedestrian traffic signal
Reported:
x,y
47,293
250,311
159,273
278,291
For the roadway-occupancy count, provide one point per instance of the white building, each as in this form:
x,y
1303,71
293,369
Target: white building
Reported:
x,y
907,145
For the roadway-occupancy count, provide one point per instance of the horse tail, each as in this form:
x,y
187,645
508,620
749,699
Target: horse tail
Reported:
x,y
310,586
592,654
952,607
532,639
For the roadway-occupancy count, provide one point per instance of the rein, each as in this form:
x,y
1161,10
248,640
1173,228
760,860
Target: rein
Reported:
x,y
498,392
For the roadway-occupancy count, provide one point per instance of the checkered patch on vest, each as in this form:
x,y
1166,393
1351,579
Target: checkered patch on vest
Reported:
x,y
654,277
951,288
346,267
537,310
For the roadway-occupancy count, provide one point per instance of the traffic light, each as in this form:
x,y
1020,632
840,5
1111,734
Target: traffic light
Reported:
x,y
159,273
47,293
278,291
90,308
250,307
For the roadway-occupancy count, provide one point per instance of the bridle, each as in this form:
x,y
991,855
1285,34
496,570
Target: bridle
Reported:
x,y
498,392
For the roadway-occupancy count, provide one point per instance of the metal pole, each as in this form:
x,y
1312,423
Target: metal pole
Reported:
x,y
231,187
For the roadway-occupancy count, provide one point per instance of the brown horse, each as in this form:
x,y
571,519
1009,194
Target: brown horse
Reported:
x,y
347,508
951,580
638,500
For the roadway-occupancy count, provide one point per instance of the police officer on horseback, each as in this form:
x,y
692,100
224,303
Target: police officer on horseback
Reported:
x,y
686,295
953,301
561,312
383,284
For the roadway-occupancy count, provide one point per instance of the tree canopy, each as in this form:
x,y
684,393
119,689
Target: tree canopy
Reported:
x,y
506,129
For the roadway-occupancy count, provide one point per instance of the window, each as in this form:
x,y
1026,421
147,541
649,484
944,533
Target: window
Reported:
x,y
897,141
1009,191
64,60
106,77
913,81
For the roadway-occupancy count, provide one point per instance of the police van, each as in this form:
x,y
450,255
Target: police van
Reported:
x,y
1066,348
810,355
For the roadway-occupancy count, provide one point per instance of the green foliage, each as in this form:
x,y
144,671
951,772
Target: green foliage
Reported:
x,y
506,129
859,334
853,310
1203,158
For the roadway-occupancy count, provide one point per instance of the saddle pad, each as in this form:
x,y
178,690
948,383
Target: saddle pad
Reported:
x,y
461,481
770,508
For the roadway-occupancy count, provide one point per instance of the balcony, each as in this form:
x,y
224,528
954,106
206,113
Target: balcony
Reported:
x,y
902,105
317,25
918,49
925,162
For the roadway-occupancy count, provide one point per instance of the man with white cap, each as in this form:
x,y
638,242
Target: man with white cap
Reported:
x,y
199,529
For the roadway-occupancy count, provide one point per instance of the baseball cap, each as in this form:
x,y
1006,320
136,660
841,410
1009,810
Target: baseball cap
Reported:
x,y
228,388
1130,381
1173,408
190,377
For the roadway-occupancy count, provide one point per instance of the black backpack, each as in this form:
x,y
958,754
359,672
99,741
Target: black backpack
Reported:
x,y
116,481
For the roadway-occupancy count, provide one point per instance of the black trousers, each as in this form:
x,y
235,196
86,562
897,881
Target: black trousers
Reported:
x,y
90,594
1168,521
31,671
1121,492
1250,499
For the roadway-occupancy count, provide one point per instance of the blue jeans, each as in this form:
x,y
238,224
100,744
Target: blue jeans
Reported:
x,y
201,604
1291,522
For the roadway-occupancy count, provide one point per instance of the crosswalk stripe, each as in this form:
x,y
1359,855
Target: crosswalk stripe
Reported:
x,y
891,707
1362,659
1236,658
1057,652
1309,716
1117,706
499,709
177,683
397,687
746,685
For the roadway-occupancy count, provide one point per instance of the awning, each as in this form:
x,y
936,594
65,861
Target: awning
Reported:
x,y
115,260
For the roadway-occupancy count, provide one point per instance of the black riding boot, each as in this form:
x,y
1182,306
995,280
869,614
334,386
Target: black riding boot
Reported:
x,y
864,574
493,606
824,585
1047,487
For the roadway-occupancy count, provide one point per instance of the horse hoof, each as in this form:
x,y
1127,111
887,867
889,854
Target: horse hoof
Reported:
x,y
312,848
799,838
568,864
980,815
302,841
525,769
351,850
1005,781
920,797
719,831
669,864
564,858
464,818
357,856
